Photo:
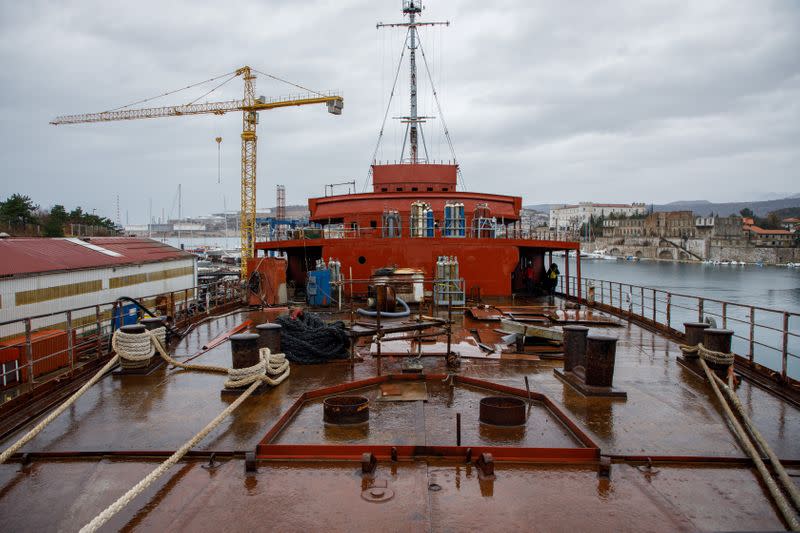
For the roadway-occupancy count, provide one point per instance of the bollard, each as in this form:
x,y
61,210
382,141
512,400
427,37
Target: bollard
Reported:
x,y
694,336
137,329
154,322
601,353
244,350
574,347
718,340
133,366
269,336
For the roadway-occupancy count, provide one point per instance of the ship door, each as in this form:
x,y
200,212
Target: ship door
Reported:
x,y
527,280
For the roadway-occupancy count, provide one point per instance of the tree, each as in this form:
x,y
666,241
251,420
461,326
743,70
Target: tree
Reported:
x,y
54,222
746,212
17,210
772,221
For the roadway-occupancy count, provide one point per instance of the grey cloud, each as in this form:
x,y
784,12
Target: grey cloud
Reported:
x,y
555,101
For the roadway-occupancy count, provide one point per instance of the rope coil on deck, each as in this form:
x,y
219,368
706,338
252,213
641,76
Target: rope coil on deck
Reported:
x,y
135,350
719,358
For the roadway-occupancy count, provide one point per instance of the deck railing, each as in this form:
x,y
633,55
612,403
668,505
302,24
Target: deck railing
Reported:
x,y
509,231
768,337
34,360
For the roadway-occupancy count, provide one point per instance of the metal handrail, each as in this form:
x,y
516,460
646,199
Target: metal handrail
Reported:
x,y
89,341
658,306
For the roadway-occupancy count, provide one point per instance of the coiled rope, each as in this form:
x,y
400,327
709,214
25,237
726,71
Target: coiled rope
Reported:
x,y
136,347
688,348
720,358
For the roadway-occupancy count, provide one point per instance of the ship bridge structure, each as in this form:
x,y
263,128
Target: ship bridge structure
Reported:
x,y
419,210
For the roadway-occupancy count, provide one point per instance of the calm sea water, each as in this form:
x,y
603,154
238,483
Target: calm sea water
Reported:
x,y
773,287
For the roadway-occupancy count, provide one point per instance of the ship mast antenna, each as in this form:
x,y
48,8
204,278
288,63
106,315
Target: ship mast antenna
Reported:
x,y
412,8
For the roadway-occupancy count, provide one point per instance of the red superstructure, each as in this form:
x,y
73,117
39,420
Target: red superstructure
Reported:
x,y
415,214
354,231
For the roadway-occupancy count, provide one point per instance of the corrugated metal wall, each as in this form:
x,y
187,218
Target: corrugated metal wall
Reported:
x,y
49,293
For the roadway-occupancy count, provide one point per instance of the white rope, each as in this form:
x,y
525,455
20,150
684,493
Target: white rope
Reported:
x,y
785,508
52,416
688,348
135,349
269,365
720,358
137,489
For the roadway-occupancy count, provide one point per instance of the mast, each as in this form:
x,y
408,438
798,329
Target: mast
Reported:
x,y
413,121
411,8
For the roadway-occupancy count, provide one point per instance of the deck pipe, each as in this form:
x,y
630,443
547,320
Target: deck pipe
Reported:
x,y
244,350
601,351
269,336
399,314
574,346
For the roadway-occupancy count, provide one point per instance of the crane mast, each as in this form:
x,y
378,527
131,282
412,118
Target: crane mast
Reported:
x,y
250,105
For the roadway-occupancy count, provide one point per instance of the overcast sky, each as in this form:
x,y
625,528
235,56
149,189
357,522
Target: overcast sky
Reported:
x,y
556,101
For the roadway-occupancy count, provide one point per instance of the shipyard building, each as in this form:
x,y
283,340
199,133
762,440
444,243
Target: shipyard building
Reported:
x,y
49,276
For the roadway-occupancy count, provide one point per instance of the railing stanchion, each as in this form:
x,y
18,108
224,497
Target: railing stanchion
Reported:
x,y
724,315
700,310
669,310
70,342
641,300
654,306
784,359
99,324
29,350
751,355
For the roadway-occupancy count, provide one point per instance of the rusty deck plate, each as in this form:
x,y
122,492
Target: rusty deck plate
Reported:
x,y
404,392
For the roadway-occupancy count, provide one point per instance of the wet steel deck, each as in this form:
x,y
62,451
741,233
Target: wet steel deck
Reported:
x,y
668,412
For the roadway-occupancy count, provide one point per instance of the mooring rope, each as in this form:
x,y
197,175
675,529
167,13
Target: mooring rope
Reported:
x,y
269,365
137,489
688,348
61,408
785,508
720,358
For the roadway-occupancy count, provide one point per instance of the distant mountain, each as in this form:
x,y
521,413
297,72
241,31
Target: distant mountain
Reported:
x,y
704,207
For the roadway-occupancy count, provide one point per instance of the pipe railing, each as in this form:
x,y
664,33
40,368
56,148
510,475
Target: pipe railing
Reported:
x,y
761,335
501,231
88,331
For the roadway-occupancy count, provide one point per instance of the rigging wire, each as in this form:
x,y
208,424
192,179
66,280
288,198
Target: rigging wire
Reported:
x,y
171,92
212,90
385,116
439,107
276,78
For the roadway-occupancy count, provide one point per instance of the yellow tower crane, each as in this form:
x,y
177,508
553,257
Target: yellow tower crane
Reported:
x,y
250,106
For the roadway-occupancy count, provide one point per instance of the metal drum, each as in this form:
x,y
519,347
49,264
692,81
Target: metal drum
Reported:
x,y
345,410
502,411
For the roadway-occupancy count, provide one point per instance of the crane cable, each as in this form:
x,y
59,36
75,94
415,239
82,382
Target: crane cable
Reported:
x,y
276,78
170,92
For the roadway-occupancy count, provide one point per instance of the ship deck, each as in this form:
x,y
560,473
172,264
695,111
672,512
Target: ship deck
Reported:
x,y
123,427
